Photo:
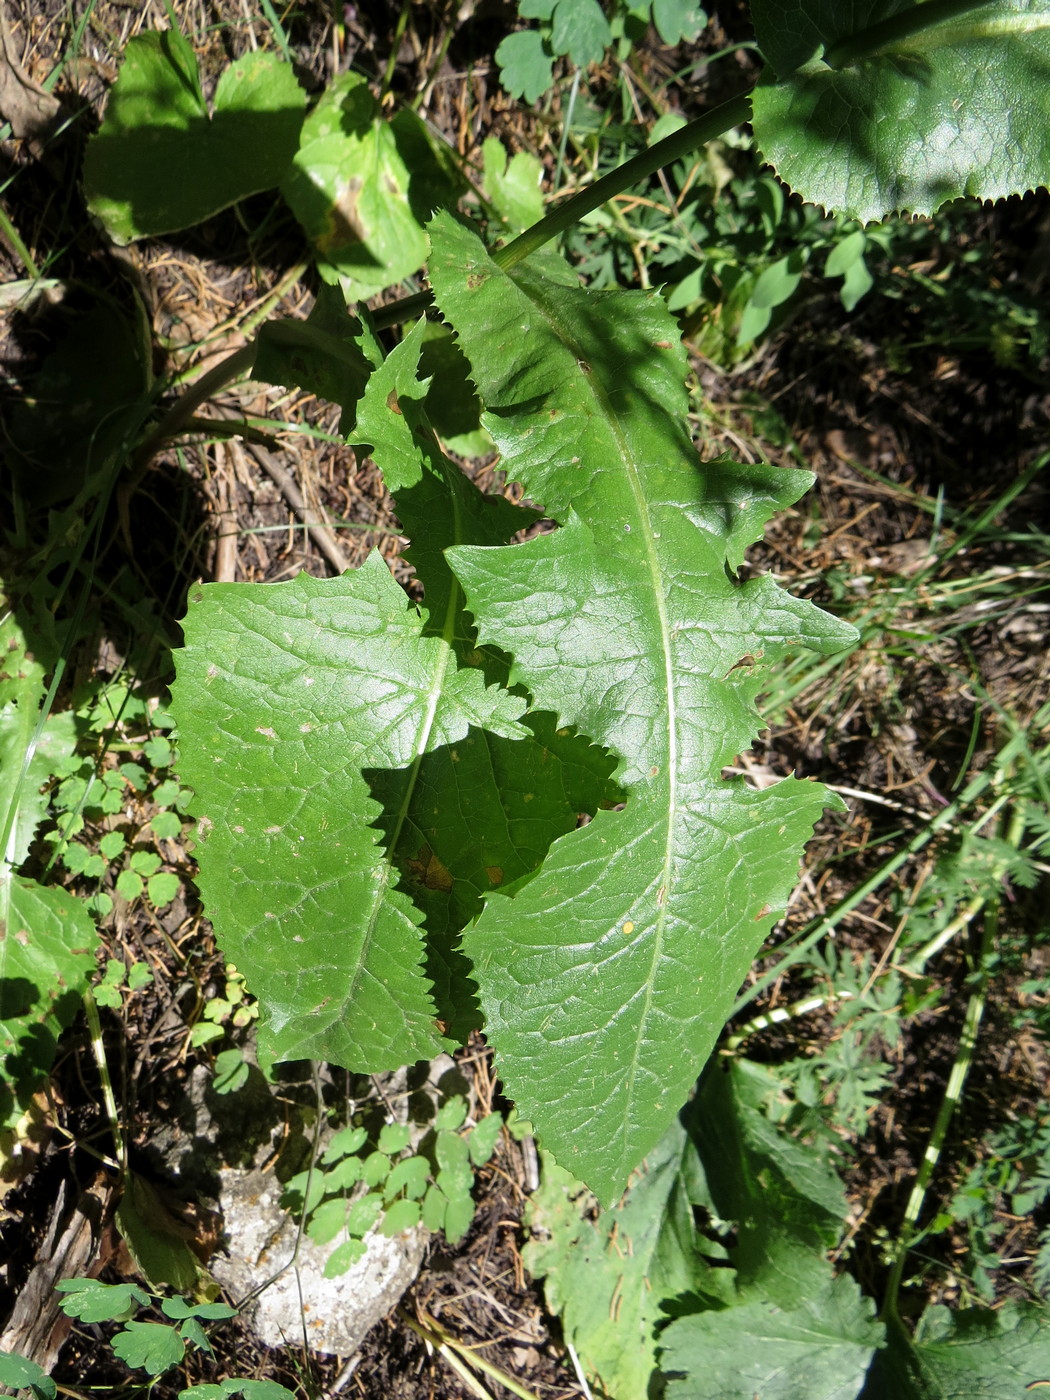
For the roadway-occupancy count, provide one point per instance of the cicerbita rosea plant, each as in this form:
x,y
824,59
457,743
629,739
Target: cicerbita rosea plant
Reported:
x,y
389,793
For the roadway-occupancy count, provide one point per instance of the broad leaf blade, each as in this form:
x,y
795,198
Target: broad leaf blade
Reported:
x,y
47,937
789,1330
606,981
972,1354
285,692
161,163
609,1274
818,1350
961,108
478,815
785,1198
320,718
47,943
361,186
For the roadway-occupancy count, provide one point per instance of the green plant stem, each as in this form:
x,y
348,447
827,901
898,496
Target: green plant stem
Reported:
x,y
892,33
674,147
108,1097
952,1094
956,1083
13,237
399,34
681,143
780,1014
182,411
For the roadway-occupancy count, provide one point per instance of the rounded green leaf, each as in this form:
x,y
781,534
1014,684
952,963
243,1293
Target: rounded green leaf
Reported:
x,y
410,1176
166,825
92,1301
350,188
452,1114
363,1214
19,1373
327,1221
580,29
344,1142
160,162
393,1138
205,1031
435,1206
482,1141
344,1174
344,1257
401,1215
231,1072
145,862
873,114
526,65
456,1176
375,1168
112,844
139,976
130,884
162,888
150,1345
458,1217
676,20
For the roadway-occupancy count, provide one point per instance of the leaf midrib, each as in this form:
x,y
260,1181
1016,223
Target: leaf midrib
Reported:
x,y
627,458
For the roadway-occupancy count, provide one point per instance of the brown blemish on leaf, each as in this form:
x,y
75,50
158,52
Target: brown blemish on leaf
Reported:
x,y
342,222
495,874
429,871
392,403
475,280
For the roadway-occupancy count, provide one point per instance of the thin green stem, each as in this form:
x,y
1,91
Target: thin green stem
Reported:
x,y
399,34
108,1097
13,237
964,1056
1012,752
681,143
891,33
181,412
674,147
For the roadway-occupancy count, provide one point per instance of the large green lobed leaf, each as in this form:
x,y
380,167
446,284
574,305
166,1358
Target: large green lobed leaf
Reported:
x,y
161,162
725,1228
970,1354
360,779
362,187
959,108
47,937
606,981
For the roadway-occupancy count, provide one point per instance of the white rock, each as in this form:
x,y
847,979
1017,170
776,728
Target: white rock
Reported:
x,y
332,1315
